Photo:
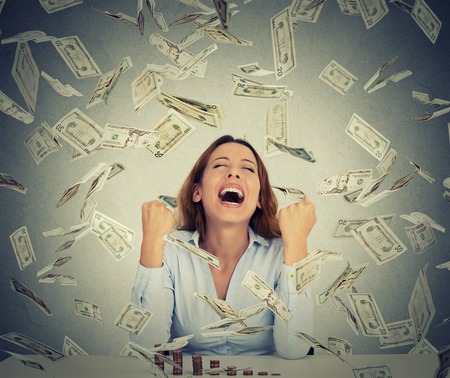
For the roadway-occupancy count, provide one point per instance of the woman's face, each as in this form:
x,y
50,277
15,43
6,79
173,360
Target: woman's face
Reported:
x,y
229,189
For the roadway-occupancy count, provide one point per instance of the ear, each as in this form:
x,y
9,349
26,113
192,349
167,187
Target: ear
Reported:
x,y
258,205
197,196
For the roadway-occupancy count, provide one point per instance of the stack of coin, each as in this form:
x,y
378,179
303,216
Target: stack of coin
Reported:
x,y
248,372
214,364
231,370
197,365
177,357
158,361
263,373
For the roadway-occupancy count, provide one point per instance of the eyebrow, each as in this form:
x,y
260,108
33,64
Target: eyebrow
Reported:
x,y
226,158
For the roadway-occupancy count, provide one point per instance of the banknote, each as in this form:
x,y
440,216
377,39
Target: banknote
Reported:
x,y
348,7
19,288
346,225
277,127
66,280
283,43
306,10
169,201
173,129
386,164
240,332
254,69
299,152
202,106
207,118
190,38
116,243
337,77
8,181
65,90
176,343
311,341
420,306
222,10
424,98
52,6
370,187
402,5
220,307
177,55
267,295
351,320
26,360
423,347
344,182
77,58
367,137
99,182
70,243
88,310
204,255
429,116
61,232
426,19
399,333
145,87
386,65
249,89
305,272
100,223
372,371
160,21
222,323
293,193
144,354
71,348
11,108
133,319
339,347
125,137
120,16
372,11
23,249
185,69
107,82
26,74
220,35
396,77
80,131
36,36
368,314
55,264
33,345
198,4
421,237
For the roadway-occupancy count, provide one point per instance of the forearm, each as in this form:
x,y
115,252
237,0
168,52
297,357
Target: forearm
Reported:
x,y
295,250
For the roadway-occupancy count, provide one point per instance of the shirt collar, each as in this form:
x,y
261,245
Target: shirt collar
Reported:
x,y
253,237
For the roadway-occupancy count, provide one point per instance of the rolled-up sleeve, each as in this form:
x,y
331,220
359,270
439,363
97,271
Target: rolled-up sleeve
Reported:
x,y
301,306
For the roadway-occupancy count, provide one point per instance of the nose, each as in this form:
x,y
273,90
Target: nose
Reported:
x,y
231,175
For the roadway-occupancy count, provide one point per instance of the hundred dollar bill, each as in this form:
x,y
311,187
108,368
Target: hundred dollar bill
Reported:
x,y
368,314
177,55
57,263
107,82
124,137
173,129
76,57
81,132
344,182
52,6
100,223
306,10
367,137
116,243
26,360
396,77
267,295
145,87
423,347
381,69
339,347
277,127
23,249
379,241
294,193
421,237
345,226
299,152
399,333
26,74
425,99
71,348
426,19
344,282
372,11
420,306
8,181
220,35
240,332
33,345
64,90
11,108
373,371
305,272
204,255
337,77
19,288
133,319
88,310
311,341
283,43
210,119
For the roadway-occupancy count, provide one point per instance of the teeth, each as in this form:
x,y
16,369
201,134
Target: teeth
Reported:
x,y
234,190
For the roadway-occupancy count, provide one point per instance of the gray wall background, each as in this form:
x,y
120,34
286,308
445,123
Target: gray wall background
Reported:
x,y
318,116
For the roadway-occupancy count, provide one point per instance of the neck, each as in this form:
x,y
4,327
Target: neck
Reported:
x,y
226,243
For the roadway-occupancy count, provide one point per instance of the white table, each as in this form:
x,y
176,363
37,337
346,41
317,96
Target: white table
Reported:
x,y
318,366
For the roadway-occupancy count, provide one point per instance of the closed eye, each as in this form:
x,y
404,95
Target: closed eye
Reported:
x,y
250,169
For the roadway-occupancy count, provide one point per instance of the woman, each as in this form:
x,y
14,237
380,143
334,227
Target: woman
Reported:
x,y
226,207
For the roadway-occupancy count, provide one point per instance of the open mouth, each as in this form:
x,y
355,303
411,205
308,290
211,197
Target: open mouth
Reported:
x,y
231,195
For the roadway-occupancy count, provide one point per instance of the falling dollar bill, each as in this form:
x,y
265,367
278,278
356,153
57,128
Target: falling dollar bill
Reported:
x,y
424,98
77,58
299,152
23,249
421,237
426,19
19,288
337,77
283,44
71,348
306,10
372,11
11,108
344,182
41,143
293,193
124,137
372,371
61,232
240,332
57,263
267,295
399,333
381,69
26,360
311,341
88,310
52,6
101,223
145,87
339,346
277,127
396,77
306,271
65,90
33,345
444,364
116,243
423,347
204,255
220,35
345,226
368,314
367,137
133,319
8,181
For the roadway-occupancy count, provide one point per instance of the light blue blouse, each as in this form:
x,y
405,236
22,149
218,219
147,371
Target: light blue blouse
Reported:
x,y
167,292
